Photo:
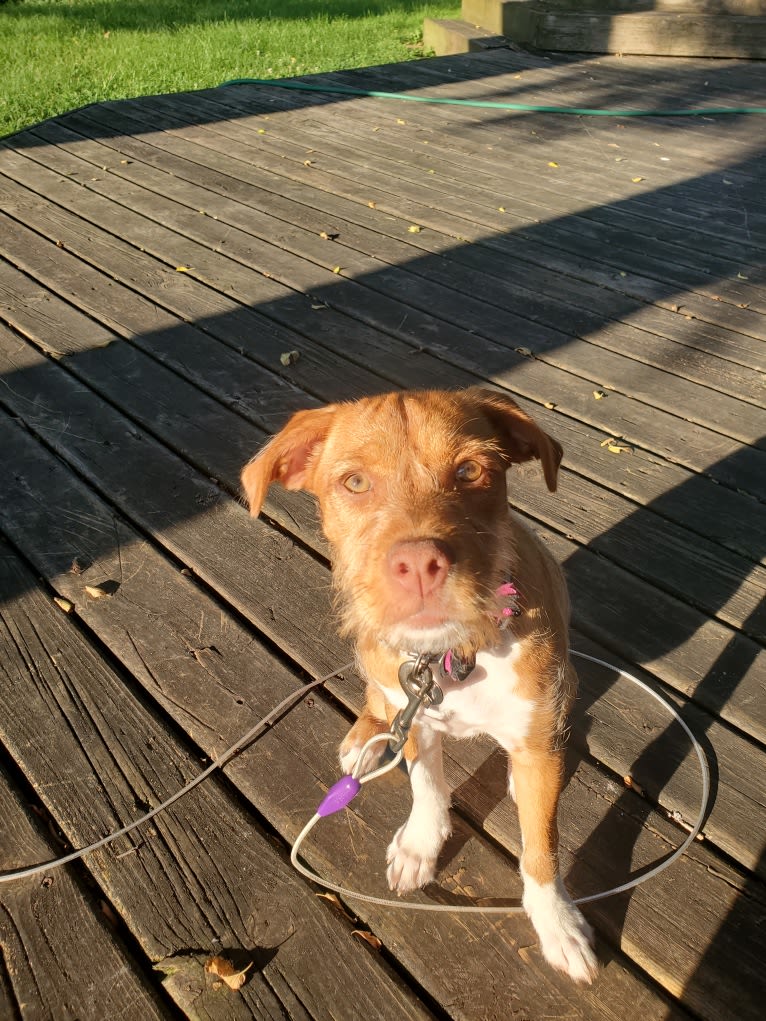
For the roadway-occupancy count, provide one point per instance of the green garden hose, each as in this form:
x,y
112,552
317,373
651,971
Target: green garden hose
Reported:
x,y
488,105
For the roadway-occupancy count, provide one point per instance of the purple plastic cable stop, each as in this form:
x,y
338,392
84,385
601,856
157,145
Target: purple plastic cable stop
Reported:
x,y
339,795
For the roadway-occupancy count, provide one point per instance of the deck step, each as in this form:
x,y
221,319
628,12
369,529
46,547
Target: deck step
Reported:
x,y
681,28
447,36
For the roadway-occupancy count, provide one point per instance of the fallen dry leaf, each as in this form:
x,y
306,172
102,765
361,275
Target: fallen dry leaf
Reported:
x,y
63,604
182,269
327,236
368,937
630,782
225,970
552,163
337,269
616,445
400,121
599,395
523,351
336,903
636,180
97,591
289,357
414,229
549,405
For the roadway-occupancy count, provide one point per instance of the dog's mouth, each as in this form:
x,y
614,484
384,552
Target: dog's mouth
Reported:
x,y
439,624
427,619
427,636
434,629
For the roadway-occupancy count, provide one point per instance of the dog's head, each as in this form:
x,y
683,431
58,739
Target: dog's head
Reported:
x,y
413,498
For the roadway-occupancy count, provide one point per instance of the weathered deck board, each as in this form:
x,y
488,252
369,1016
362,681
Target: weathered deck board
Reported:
x,y
696,448
136,391
532,198
384,286
96,758
188,121
51,929
534,377
544,297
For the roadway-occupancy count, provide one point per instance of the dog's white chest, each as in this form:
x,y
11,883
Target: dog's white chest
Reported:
x,y
486,702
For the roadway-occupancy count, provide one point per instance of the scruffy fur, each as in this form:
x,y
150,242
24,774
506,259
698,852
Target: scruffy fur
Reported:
x,y
413,497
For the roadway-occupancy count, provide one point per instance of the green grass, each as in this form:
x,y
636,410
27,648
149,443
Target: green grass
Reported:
x,y
56,55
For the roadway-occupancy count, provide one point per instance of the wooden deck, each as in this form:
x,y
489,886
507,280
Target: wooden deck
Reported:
x,y
159,258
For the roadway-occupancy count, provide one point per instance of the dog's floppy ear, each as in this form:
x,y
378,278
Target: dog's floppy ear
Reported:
x,y
287,457
521,437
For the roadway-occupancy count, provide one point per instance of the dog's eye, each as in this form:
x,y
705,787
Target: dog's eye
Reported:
x,y
469,471
357,483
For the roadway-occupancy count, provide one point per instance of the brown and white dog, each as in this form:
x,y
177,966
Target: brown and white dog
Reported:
x,y
427,558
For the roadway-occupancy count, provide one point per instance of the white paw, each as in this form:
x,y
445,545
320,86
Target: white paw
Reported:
x,y
350,753
565,937
412,862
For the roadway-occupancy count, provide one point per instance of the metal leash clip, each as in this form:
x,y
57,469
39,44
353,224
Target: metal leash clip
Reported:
x,y
417,681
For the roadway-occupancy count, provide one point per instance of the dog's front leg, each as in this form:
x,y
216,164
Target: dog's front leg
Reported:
x,y
565,937
372,721
413,852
